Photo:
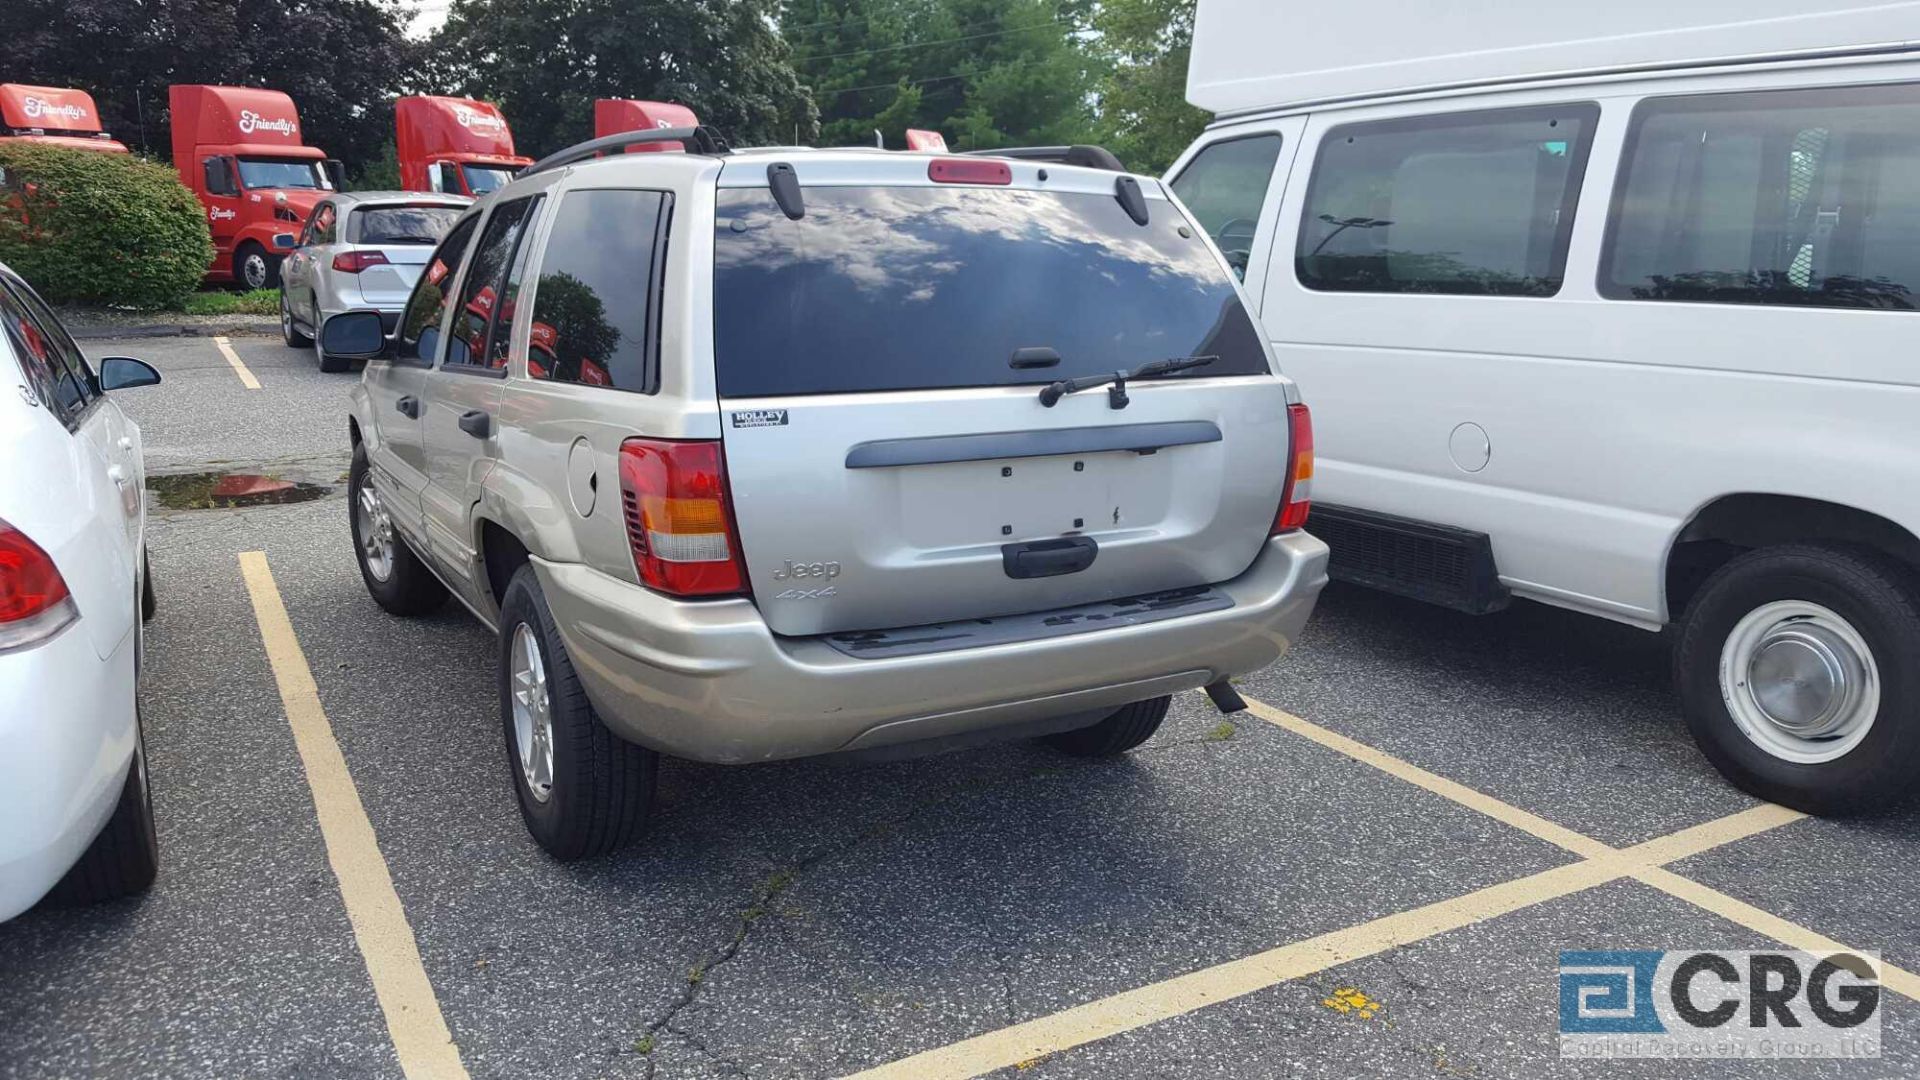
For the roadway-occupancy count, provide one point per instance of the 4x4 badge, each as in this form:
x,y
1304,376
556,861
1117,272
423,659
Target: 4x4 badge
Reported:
x,y
760,418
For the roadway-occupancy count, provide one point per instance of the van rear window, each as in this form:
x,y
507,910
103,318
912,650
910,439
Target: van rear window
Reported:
x,y
906,288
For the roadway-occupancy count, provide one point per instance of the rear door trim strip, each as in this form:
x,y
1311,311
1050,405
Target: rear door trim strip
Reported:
x,y
1046,442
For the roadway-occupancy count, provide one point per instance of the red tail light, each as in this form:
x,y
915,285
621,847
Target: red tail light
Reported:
x,y
34,601
352,262
969,171
680,517
1296,499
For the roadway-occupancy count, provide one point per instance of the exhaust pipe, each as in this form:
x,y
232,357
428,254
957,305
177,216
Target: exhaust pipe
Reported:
x,y
1225,697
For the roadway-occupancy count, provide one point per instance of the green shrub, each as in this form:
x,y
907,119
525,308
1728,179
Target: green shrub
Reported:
x,y
90,227
222,302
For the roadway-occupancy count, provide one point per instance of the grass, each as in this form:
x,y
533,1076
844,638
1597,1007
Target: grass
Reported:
x,y
226,302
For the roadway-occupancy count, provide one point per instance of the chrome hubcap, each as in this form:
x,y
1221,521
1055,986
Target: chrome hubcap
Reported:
x,y
254,269
376,532
1799,681
532,713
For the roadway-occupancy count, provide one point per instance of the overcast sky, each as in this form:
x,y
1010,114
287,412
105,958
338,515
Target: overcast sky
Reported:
x,y
428,15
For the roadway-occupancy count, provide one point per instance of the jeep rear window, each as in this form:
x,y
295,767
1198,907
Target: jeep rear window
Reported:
x,y
906,288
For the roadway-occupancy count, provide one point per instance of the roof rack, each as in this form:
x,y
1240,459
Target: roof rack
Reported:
x,y
1090,157
697,140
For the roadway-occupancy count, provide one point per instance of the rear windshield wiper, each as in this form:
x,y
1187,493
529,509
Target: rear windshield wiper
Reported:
x,y
1051,393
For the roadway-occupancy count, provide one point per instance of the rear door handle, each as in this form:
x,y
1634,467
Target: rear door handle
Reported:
x,y
1049,558
409,406
476,423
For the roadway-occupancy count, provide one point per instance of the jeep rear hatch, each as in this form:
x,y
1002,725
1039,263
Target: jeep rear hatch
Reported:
x,y
880,361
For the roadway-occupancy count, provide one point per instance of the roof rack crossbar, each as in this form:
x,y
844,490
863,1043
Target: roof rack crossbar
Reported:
x,y
1085,156
697,140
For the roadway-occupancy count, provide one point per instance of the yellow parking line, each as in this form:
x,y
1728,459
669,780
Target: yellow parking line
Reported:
x,y
239,367
420,1036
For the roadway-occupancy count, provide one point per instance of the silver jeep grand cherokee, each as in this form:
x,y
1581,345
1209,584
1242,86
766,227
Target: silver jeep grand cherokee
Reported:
x,y
763,454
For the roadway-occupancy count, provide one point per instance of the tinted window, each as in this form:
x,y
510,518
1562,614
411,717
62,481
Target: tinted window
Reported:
x,y
486,274
598,296
402,224
1788,197
321,226
420,323
898,288
507,317
1224,186
62,380
1461,203
282,173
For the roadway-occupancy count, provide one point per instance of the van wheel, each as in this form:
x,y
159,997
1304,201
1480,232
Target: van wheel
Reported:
x,y
255,268
395,576
1118,733
1795,669
582,789
125,858
290,333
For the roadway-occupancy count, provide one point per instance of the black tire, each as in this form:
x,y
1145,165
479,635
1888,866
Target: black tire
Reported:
x,y
409,587
149,603
1120,732
602,786
1878,598
289,332
125,858
269,277
332,365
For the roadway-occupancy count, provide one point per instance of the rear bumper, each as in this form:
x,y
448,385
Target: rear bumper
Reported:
x,y
67,723
709,682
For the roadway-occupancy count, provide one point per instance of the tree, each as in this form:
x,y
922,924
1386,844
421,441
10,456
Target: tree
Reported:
x,y
1143,48
985,73
340,60
545,61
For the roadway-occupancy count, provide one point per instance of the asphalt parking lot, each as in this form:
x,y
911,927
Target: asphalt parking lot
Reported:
x,y
1421,810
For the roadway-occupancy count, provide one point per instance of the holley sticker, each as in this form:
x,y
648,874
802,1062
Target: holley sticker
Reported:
x,y
760,418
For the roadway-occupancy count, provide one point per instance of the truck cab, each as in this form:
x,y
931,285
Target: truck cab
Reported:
x,y
613,116
239,149
52,116
457,146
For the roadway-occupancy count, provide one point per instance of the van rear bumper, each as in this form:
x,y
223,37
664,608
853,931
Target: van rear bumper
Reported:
x,y
708,681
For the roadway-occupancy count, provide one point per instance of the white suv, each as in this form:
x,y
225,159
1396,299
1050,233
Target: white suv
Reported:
x,y
786,452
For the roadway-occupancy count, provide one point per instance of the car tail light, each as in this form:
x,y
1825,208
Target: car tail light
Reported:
x,y
34,602
969,171
1296,499
680,518
352,262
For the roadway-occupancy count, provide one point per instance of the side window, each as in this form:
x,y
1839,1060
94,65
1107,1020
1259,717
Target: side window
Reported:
x,y
1476,203
589,324
61,377
1224,185
480,298
1797,197
420,322
507,317
321,226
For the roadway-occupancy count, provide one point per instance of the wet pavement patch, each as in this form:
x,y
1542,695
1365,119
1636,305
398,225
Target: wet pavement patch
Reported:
x,y
215,490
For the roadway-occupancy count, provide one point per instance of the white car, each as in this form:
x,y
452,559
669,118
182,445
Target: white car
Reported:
x,y
359,250
76,822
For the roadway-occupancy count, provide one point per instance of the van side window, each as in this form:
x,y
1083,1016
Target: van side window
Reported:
x,y
1800,197
1224,185
480,299
1475,203
420,323
603,257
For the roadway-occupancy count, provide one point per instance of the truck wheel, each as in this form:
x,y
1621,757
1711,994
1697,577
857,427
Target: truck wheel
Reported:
x,y
290,333
395,576
125,858
582,789
255,267
1795,670
1120,732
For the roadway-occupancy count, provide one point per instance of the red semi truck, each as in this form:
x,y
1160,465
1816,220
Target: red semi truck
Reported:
x,y
455,145
239,150
612,116
51,116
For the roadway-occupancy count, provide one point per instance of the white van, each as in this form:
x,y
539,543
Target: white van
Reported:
x,y
1639,337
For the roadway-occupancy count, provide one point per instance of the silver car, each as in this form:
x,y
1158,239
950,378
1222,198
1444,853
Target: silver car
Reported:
x,y
773,453
359,250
